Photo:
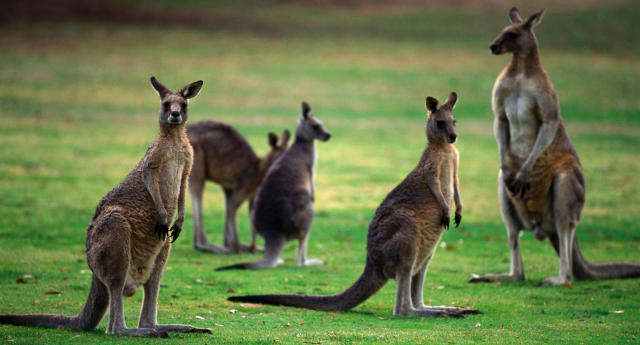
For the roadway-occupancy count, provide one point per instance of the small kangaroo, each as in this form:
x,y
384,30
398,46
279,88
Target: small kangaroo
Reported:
x,y
405,230
283,206
127,243
540,185
223,155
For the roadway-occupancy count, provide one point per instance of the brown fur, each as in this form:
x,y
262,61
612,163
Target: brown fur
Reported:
x,y
541,186
127,243
223,155
283,207
405,230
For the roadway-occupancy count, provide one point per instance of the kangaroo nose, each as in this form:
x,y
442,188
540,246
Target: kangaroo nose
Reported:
x,y
494,48
175,114
452,138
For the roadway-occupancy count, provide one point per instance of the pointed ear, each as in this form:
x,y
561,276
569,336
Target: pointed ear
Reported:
x,y
284,139
534,19
273,140
191,90
432,104
450,103
160,89
514,15
306,110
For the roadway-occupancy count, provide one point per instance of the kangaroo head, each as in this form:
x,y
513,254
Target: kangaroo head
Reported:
x,y
278,146
518,36
173,108
440,121
310,127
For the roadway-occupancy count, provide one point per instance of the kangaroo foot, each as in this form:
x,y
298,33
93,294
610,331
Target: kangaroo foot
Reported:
x,y
183,329
313,262
211,248
251,249
555,281
492,277
453,312
141,332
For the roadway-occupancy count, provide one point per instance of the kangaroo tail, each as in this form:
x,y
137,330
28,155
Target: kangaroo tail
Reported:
x,y
88,318
584,270
368,284
272,247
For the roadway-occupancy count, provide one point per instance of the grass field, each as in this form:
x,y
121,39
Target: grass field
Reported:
x,y
78,112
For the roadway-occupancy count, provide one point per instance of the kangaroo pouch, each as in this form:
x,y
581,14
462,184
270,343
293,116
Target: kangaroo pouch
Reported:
x,y
535,202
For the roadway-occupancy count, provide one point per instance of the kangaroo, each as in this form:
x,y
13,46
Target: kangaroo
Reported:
x,y
405,230
283,206
222,155
127,239
540,184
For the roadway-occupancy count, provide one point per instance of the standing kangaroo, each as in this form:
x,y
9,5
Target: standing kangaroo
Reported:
x,y
222,155
540,185
127,243
405,230
283,206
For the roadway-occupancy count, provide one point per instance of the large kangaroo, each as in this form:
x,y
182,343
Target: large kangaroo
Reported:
x,y
222,155
127,242
283,206
540,184
405,230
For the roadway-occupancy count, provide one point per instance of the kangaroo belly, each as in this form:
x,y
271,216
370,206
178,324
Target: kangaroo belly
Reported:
x,y
536,202
170,181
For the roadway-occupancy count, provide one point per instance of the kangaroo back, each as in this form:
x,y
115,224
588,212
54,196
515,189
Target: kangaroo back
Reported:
x,y
368,284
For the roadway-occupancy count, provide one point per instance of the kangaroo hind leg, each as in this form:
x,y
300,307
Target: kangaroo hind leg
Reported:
x,y
513,223
568,200
149,312
108,255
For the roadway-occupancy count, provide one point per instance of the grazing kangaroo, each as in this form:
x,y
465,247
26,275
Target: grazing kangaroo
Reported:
x,y
283,206
540,185
127,244
405,230
222,155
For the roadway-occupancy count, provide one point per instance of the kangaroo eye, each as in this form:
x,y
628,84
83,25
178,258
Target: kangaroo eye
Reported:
x,y
454,122
166,105
440,124
512,35
183,106
316,127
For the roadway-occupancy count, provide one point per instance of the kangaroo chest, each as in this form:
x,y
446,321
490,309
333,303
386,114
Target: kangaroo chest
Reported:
x,y
517,98
171,178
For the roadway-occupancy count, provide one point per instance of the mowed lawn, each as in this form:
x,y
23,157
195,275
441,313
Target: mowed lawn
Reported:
x,y
77,113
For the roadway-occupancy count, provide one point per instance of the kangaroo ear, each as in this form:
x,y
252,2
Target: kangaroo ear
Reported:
x,y
273,139
450,103
534,19
306,110
514,15
191,90
432,104
284,139
160,89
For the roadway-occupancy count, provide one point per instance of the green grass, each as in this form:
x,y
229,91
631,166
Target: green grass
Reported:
x,y
78,112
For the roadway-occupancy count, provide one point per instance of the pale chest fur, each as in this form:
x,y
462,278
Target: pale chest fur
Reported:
x,y
515,97
176,160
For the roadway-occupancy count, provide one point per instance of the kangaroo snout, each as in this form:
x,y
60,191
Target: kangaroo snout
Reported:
x,y
452,138
494,49
175,117
325,136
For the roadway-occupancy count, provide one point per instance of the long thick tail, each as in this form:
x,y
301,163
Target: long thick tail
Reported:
x,y
368,284
272,247
584,270
88,318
